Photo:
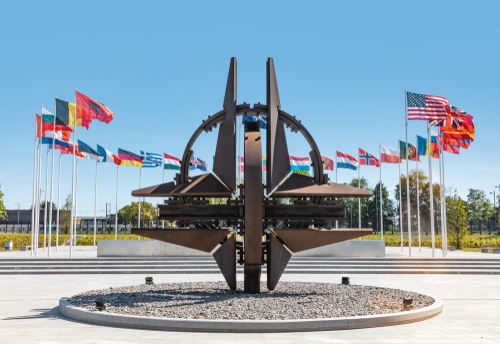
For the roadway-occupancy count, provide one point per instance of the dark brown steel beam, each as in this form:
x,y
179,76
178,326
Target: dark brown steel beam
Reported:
x,y
305,239
225,256
277,160
277,259
196,238
225,153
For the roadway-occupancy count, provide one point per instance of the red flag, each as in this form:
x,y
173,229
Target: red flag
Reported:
x,y
88,109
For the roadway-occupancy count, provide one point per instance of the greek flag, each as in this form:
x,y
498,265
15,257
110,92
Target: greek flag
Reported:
x,y
151,159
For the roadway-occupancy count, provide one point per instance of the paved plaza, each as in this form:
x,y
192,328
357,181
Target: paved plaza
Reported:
x,y
29,311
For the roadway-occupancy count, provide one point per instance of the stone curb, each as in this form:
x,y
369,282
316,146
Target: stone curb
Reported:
x,y
193,325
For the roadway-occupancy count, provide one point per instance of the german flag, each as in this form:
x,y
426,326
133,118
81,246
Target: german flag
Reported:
x,y
129,158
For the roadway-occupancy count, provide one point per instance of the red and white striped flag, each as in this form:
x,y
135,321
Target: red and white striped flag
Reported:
x,y
426,107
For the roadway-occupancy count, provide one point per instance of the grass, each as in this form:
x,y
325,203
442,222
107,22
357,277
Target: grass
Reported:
x,y
25,239
469,242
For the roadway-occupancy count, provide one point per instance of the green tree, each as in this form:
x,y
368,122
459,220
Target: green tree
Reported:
x,y
479,208
130,212
457,219
373,206
3,211
352,205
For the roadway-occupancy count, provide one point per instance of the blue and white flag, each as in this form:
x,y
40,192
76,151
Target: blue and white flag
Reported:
x,y
151,159
255,118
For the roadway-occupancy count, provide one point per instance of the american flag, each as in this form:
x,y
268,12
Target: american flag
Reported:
x,y
425,107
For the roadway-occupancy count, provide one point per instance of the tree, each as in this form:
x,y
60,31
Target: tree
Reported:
x,y
457,219
42,205
67,203
479,208
130,212
3,211
352,205
373,205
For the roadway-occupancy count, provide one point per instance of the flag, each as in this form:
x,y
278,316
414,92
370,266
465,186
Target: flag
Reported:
x,y
255,118
150,159
171,163
242,163
451,149
425,107
434,145
89,109
327,163
412,151
299,164
198,164
129,158
88,152
47,136
422,146
367,159
66,147
46,122
65,111
108,156
462,143
346,161
459,127
389,155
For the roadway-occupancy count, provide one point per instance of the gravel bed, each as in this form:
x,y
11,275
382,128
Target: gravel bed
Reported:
x,y
213,300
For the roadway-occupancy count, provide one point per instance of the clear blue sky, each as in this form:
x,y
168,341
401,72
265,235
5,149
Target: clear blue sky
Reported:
x,y
161,67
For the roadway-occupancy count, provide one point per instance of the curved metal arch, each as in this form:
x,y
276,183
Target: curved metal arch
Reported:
x,y
290,121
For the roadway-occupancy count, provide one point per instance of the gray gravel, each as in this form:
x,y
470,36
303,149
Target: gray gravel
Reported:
x,y
213,300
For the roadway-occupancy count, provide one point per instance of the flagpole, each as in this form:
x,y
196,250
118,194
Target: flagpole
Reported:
x,y
73,179
34,190
407,180
39,186
336,172
116,215
95,204
139,215
45,206
76,206
52,177
441,194
431,198
381,204
418,197
400,199
444,207
359,187
163,172
58,200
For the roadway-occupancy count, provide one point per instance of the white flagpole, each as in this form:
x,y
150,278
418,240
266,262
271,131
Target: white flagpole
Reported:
x,y
45,207
407,181
116,215
73,179
139,215
52,177
163,181
336,172
418,197
400,200
444,212
95,204
431,200
380,184
441,197
34,192
76,206
58,200
39,186
359,187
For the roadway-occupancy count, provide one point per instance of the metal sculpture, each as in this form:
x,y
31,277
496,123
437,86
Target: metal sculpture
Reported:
x,y
270,229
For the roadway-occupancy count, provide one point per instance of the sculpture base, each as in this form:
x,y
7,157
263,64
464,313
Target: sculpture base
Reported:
x,y
252,278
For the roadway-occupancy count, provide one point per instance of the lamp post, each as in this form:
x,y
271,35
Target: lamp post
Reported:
x,y
17,213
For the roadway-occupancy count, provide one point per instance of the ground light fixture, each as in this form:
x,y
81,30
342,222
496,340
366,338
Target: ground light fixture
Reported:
x,y
100,305
149,280
345,281
407,304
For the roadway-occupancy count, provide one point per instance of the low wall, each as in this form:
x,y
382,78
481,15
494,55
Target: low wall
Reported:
x,y
144,248
153,248
350,248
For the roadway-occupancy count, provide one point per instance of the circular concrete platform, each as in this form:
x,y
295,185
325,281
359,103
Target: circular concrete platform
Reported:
x,y
193,325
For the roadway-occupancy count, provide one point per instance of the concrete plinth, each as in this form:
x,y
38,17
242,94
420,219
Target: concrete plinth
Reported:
x,y
350,248
144,248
